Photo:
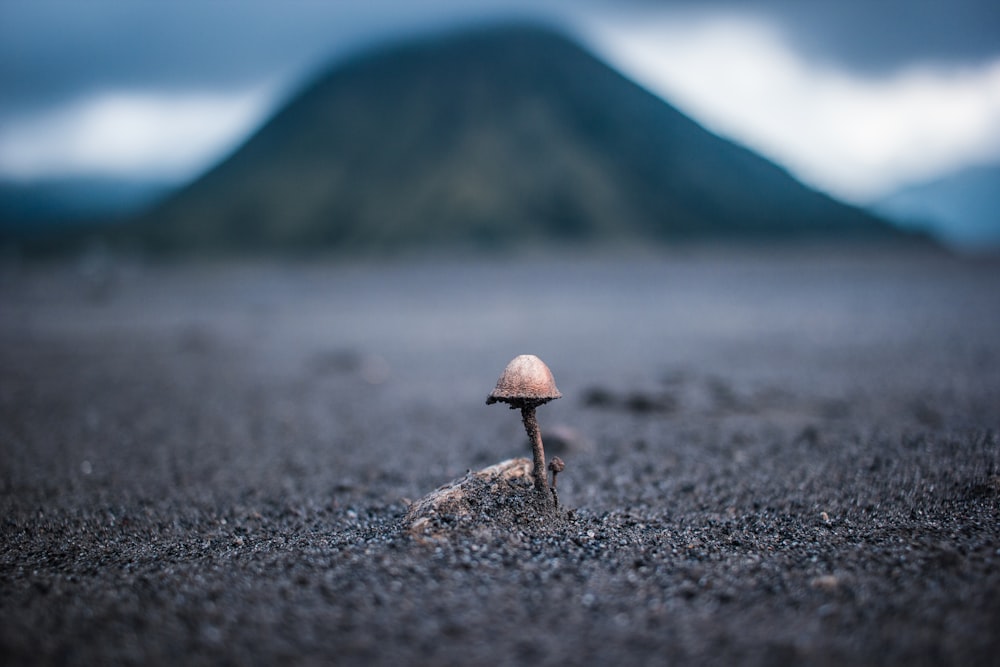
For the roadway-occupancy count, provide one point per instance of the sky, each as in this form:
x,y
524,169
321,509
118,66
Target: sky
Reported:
x,y
856,98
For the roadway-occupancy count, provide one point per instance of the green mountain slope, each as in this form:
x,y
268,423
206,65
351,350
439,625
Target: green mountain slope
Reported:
x,y
493,137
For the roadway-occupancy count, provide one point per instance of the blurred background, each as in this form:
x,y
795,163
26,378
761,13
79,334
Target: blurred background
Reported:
x,y
395,126
282,251
261,263
752,195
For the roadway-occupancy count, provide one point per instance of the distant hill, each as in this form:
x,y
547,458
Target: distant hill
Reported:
x,y
962,209
72,201
494,137
59,216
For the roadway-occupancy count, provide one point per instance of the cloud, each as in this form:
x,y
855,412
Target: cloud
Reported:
x,y
52,51
164,136
881,37
59,60
853,132
852,135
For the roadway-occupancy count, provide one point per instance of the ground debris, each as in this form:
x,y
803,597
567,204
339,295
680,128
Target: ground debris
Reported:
x,y
481,501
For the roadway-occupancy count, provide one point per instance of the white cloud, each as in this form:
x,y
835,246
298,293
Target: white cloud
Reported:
x,y
852,136
133,135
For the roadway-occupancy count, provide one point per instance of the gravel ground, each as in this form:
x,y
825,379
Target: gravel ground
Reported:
x,y
771,458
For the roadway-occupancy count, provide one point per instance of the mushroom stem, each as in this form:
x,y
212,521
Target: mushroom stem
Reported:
x,y
537,450
556,465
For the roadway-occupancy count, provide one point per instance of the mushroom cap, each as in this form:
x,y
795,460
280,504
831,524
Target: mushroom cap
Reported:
x,y
526,382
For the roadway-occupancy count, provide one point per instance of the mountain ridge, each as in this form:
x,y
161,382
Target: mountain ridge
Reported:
x,y
961,208
496,136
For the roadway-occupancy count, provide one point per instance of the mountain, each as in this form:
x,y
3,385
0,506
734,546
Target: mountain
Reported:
x,y
499,136
962,209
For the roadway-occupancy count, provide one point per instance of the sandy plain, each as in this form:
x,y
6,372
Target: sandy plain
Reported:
x,y
773,457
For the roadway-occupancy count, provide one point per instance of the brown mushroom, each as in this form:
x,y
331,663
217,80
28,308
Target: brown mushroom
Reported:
x,y
556,465
525,384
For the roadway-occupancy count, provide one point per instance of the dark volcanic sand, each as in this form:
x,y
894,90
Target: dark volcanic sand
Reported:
x,y
772,458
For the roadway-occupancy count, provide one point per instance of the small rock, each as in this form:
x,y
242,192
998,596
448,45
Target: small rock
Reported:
x,y
562,440
456,500
642,403
599,397
826,582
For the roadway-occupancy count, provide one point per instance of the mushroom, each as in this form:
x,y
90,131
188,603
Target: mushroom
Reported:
x,y
525,384
556,465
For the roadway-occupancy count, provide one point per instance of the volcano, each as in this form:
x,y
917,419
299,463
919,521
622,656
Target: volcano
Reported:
x,y
493,137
